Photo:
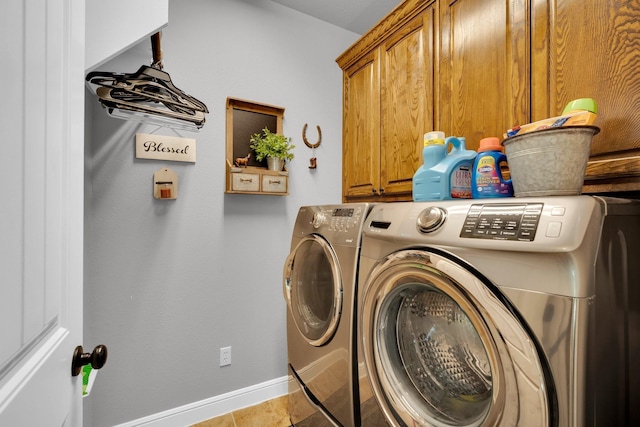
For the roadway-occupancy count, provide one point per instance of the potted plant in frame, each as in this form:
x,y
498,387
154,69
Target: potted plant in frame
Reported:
x,y
275,147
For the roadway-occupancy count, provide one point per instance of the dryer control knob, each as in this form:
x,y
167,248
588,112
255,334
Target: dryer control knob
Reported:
x,y
431,219
319,218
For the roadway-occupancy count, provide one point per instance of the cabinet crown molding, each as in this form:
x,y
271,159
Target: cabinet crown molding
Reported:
x,y
390,23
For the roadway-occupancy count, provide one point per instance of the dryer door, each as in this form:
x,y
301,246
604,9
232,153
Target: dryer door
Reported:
x,y
442,349
313,289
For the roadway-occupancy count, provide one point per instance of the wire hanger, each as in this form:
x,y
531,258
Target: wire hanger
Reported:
x,y
148,95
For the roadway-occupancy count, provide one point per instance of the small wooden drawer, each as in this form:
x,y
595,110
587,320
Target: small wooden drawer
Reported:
x,y
256,180
245,182
274,183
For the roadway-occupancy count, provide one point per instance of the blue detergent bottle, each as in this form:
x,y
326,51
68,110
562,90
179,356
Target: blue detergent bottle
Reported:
x,y
491,177
458,167
428,184
444,176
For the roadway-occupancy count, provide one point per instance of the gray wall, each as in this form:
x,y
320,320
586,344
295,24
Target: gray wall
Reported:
x,y
167,283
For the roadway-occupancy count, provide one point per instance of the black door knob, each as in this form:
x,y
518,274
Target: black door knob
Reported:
x,y
97,358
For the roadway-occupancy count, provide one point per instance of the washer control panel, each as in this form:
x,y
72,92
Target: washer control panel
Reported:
x,y
338,219
506,221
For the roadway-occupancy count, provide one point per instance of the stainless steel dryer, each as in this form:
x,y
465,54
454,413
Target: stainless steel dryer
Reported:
x,y
501,312
319,286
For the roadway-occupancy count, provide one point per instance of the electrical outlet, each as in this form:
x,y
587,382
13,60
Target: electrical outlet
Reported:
x,y
225,356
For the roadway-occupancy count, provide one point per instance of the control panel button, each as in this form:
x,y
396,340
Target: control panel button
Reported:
x,y
553,229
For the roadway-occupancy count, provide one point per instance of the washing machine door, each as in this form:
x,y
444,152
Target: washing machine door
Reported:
x,y
443,349
313,289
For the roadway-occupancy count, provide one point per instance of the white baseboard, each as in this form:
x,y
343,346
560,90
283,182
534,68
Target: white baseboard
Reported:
x,y
215,406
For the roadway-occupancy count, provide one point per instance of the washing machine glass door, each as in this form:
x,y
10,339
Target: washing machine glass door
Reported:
x,y
442,350
313,289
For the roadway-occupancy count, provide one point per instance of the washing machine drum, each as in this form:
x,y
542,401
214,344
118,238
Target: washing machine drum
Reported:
x,y
443,349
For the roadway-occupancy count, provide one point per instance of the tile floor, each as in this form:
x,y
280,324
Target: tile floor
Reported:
x,y
272,413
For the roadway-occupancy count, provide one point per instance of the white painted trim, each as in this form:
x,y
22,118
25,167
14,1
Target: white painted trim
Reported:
x,y
214,406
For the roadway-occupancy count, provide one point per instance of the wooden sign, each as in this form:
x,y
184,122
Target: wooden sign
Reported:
x,y
161,147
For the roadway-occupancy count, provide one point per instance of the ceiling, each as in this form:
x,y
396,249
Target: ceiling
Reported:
x,y
357,16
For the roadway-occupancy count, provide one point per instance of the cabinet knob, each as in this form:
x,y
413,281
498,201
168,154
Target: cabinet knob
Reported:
x,y
381,190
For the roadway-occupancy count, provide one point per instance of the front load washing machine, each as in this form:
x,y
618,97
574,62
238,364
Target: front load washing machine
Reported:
x,y
501,312
319,286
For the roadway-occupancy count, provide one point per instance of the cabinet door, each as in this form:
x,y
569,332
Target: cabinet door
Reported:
x,y
361,128
484,68
406,102
591,48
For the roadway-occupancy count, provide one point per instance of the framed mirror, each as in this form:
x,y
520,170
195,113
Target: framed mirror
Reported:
x,y
245,118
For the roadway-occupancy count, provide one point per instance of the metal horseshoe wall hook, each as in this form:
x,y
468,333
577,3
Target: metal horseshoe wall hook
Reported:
x,y
304,137
312,161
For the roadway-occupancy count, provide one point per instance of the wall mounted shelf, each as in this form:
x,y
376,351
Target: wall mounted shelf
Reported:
x,y
253,180
245,118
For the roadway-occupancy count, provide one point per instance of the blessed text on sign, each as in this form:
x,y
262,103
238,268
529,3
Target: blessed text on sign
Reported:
x,y
161,147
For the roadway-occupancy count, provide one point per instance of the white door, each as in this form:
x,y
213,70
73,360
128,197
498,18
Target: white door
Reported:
x,y
41,210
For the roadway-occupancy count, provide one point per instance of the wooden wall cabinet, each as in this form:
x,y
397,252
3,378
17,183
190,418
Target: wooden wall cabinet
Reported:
x,y
591,48
486,66
388,102
361,128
